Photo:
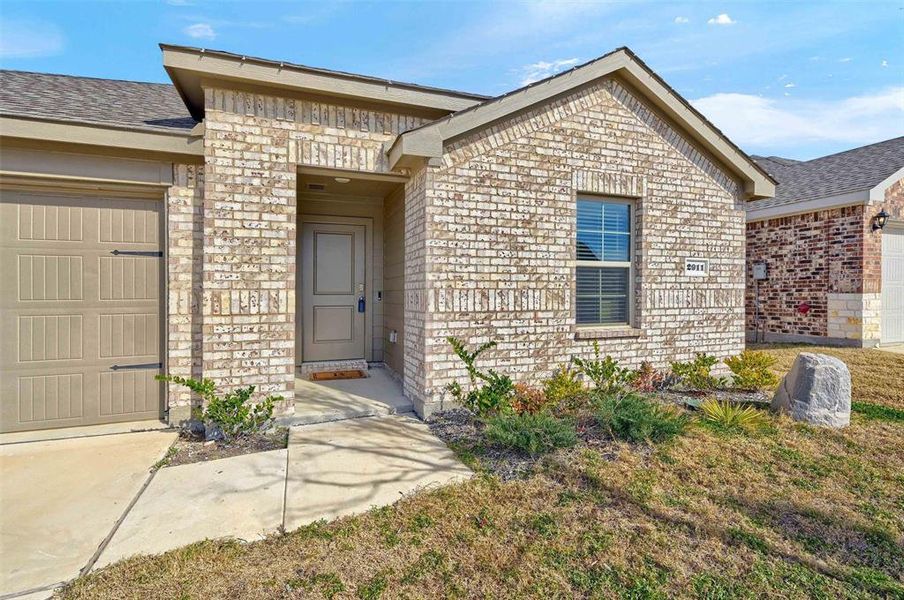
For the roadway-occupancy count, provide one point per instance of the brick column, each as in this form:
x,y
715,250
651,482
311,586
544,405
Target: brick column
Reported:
x,y
249,241
184,238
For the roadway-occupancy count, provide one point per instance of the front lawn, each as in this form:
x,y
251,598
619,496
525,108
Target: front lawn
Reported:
x,y
791,512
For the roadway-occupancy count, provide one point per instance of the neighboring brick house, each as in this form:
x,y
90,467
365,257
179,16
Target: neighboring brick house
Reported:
x,y
832,276
259,217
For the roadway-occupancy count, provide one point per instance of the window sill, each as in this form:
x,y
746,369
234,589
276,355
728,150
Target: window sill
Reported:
x,y
607,333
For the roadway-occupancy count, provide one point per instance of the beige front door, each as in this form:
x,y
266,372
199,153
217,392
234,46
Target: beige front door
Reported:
x,y
332,291
80,310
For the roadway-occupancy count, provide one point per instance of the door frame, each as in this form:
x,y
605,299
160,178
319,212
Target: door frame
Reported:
x,y
368,224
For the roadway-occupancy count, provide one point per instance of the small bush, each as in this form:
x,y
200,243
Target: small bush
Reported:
x,y
233,413
564,387
607,377
633,418
490,392
751,370
647,379
529,399
696,374
532,434
732,415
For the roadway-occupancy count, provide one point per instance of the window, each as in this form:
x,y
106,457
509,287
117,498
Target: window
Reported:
x,y
603,262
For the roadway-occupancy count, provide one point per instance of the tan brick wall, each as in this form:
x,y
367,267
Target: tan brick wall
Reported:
x,y
241,328
184,247
499,218
248,305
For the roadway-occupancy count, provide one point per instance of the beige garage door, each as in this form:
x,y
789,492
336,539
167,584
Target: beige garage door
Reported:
x,y
80,310
892,285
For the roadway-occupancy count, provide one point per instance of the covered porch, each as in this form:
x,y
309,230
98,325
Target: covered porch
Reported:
x,y
349,295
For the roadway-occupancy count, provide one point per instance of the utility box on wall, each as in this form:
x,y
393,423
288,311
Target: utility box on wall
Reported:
x,y
760,272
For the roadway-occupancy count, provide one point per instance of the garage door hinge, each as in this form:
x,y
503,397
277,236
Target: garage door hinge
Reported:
x,y
141,366
157,253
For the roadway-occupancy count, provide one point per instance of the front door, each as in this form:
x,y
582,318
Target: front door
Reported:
x,y
332,291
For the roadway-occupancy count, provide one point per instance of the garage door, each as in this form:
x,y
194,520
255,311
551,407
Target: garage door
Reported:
x,y
892,285
80,310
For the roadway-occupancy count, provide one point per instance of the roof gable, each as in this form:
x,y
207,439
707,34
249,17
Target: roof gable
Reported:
x,y
427,141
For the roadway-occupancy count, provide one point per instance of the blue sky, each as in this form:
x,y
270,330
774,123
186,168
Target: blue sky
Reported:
x,y
797,79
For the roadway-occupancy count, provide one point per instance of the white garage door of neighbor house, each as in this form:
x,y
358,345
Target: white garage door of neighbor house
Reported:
x,y
80,310
892,285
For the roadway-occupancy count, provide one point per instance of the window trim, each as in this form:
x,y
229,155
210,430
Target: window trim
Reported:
x,y
632,215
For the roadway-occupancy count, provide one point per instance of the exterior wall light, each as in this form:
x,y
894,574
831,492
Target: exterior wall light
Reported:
x,y
880,220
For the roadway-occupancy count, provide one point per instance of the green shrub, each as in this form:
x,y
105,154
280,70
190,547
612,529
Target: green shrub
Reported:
x,y
564,387
732,416
751,370
607,377
488,393
634,418
696,374
532,434
233,413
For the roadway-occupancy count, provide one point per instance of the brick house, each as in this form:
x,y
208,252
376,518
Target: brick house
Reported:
x,y
258,217
831,274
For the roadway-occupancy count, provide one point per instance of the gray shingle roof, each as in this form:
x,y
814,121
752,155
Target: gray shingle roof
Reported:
x,y
850,171
130,104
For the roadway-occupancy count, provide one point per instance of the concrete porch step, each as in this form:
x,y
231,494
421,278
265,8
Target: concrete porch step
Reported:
x,y
315,416
379,394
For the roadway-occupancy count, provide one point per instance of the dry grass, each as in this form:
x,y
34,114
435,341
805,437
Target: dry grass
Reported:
x,y
793,512
877,375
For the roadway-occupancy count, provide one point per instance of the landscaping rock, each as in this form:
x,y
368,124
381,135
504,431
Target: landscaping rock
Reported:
x,y
817,390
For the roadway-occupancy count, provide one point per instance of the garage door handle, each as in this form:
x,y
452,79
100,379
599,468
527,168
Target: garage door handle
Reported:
x,y
158,253
143,366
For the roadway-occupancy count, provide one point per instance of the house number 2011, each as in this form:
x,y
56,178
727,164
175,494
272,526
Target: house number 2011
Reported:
x,y
695,267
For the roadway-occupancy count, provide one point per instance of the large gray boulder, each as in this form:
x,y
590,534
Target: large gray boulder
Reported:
x,y
817,390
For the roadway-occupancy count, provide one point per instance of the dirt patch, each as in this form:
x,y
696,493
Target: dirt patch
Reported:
x,y
193,449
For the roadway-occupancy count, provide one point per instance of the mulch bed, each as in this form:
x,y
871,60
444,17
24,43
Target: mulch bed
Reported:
x,y
190,448
463,432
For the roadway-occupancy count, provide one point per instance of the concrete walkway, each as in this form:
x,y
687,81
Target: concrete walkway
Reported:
x,y
328,470
894,348
67,506
60,499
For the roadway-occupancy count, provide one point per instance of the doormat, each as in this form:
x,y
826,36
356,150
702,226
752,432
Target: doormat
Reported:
x,y
331,375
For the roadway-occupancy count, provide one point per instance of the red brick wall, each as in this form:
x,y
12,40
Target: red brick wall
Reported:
x,y
872,255
808,256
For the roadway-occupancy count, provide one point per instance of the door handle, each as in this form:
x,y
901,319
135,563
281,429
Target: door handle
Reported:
x,y
361,304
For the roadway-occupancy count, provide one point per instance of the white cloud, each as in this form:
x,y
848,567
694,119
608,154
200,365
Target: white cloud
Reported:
x,y
200,31
755,122
722,19
542,70
790,85
682,20
29,39
846,59
884,63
